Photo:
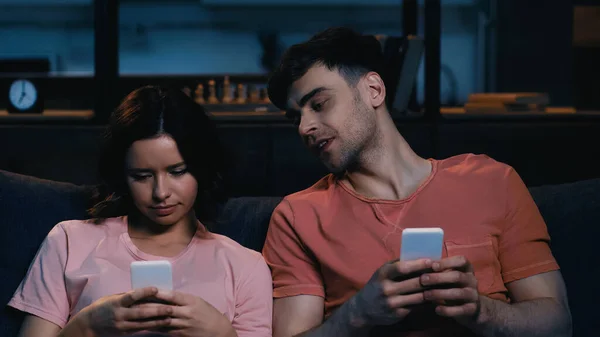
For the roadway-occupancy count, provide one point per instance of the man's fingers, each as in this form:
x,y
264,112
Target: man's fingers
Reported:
x,y
460,295
404,269
391,288
454,262
468,309
403,301
457,278
402,312
129,298
146,311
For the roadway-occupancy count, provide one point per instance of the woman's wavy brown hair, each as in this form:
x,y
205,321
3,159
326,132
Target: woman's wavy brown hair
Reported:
x,y
149,112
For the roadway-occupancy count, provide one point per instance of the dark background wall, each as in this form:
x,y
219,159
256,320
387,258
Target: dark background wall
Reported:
x,y
532,49
270,159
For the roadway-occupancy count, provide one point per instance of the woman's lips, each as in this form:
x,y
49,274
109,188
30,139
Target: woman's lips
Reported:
x,y
164,210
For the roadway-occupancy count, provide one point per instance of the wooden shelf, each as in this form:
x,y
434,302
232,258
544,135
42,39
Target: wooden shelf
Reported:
x,y
450,113
238,116
548,111
47,115
459,113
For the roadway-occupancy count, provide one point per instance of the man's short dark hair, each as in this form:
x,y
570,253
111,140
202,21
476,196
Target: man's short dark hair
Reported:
x,y
342,49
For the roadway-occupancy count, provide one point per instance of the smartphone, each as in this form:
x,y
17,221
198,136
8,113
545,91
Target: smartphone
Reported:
x,y
421,243
152,274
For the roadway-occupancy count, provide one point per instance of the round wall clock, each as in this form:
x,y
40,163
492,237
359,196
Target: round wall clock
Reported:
x,y
24,96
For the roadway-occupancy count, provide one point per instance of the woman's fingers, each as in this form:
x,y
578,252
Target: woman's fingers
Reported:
x,y
145,312
130,298
174,297
133,326
179,323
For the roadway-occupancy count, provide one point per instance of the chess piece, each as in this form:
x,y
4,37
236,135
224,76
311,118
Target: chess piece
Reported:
x,y
254,94
227,96
199,94
265,95
241,91
212,93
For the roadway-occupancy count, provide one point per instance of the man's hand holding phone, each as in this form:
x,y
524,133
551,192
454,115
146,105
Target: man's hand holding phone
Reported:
x,y
391,293
453,286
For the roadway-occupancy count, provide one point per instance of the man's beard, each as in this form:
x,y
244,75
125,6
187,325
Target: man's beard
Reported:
x,y
349,159
351,150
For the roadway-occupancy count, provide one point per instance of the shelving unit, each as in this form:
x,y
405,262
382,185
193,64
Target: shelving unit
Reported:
x,y
61,145
106,86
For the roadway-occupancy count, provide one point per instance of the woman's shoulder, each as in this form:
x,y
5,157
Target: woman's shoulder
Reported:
x,y
233,250
88,228
244,264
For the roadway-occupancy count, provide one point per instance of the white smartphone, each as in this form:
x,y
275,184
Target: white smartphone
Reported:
x,y
152,274
421,243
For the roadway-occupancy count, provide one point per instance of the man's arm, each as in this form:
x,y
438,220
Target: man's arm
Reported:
x,y
301,316
386,299
539,308
539,304
296,314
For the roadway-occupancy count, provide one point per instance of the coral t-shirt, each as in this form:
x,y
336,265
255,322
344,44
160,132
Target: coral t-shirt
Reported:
x,y
80,262
328,241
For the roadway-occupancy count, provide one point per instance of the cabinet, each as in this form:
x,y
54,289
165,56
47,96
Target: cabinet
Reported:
x,y
324,2
45,2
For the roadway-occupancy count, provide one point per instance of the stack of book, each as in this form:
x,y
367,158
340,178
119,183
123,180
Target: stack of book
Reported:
x,y
507,103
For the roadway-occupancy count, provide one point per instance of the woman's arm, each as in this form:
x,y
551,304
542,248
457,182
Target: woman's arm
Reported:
x,y
254,307
111,315
34,326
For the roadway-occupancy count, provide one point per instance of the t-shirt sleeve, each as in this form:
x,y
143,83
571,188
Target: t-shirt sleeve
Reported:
x,y
524,248
42,292
294,269
254,303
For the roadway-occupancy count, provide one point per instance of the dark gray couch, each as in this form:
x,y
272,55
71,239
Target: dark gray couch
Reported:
x,y
29,207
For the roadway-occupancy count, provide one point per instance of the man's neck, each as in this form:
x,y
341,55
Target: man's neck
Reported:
x,y
388,169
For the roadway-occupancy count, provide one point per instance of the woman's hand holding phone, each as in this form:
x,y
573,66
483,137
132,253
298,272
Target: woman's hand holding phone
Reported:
x,y
120,314
193,316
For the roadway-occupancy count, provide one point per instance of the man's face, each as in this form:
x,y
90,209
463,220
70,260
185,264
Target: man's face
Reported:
x,y
333,118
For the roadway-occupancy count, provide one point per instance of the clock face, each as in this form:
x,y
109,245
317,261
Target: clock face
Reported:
x,y
23,94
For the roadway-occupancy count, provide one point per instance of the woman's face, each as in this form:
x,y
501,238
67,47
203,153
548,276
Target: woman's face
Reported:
x,y
158,179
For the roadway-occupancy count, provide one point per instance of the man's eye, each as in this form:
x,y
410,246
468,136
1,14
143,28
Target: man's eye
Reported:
x,y
318,106
293,116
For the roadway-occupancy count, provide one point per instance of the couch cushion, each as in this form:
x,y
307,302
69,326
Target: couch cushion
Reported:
x,y
572,214
246,220
29,208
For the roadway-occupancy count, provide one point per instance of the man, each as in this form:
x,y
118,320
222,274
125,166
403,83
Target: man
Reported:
x,y
330,246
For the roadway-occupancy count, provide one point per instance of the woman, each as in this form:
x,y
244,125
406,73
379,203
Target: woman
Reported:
x,y
161,172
